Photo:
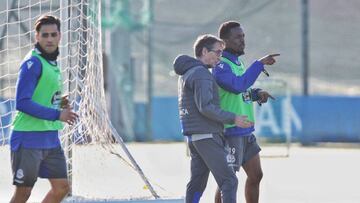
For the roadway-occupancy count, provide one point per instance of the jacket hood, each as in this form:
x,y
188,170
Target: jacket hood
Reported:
x,y
183,63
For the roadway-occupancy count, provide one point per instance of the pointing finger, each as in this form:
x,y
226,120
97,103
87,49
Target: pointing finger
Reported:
x,y
273,98
273,55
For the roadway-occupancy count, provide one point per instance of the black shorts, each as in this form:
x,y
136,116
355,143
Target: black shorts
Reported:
x,y
28,164
241,149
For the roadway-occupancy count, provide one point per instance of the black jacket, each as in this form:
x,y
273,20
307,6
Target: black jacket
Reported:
x,y
199,104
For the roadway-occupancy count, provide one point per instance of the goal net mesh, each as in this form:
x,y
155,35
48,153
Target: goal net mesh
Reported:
x,y
99,164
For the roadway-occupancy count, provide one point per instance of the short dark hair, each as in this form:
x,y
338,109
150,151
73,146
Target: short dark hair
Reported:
x,y
225,29
205,41
47,20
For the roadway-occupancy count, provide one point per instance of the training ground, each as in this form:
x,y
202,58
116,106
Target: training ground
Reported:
x,y
309,175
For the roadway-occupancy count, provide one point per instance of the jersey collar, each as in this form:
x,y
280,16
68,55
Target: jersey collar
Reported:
x,y
233,58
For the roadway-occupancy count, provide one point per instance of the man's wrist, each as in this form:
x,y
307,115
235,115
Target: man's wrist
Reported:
x,y
255,94
58,113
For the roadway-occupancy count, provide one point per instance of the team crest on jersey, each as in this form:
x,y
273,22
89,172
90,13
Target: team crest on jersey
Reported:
x,y
19,173
29,64
221,65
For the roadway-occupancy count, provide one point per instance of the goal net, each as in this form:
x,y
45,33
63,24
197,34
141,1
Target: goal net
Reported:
x,y
273,119
99,164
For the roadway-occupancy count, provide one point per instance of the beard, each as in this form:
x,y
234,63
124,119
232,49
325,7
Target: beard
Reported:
x,y
235,52
241,52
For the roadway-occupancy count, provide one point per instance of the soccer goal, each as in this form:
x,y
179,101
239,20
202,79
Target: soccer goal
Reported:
x,y
273,119
100,165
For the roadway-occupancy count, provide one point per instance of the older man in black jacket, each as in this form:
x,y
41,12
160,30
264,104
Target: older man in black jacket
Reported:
x,y
202,120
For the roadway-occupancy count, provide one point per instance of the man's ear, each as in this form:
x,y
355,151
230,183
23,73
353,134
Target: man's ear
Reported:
x,y
226,41
37,36
204,51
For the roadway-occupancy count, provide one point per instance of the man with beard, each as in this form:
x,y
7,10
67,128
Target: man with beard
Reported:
x,y
236,96
41,109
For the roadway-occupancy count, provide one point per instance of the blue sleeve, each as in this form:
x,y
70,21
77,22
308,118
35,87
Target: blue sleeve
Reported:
x,y
29,75
227,80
